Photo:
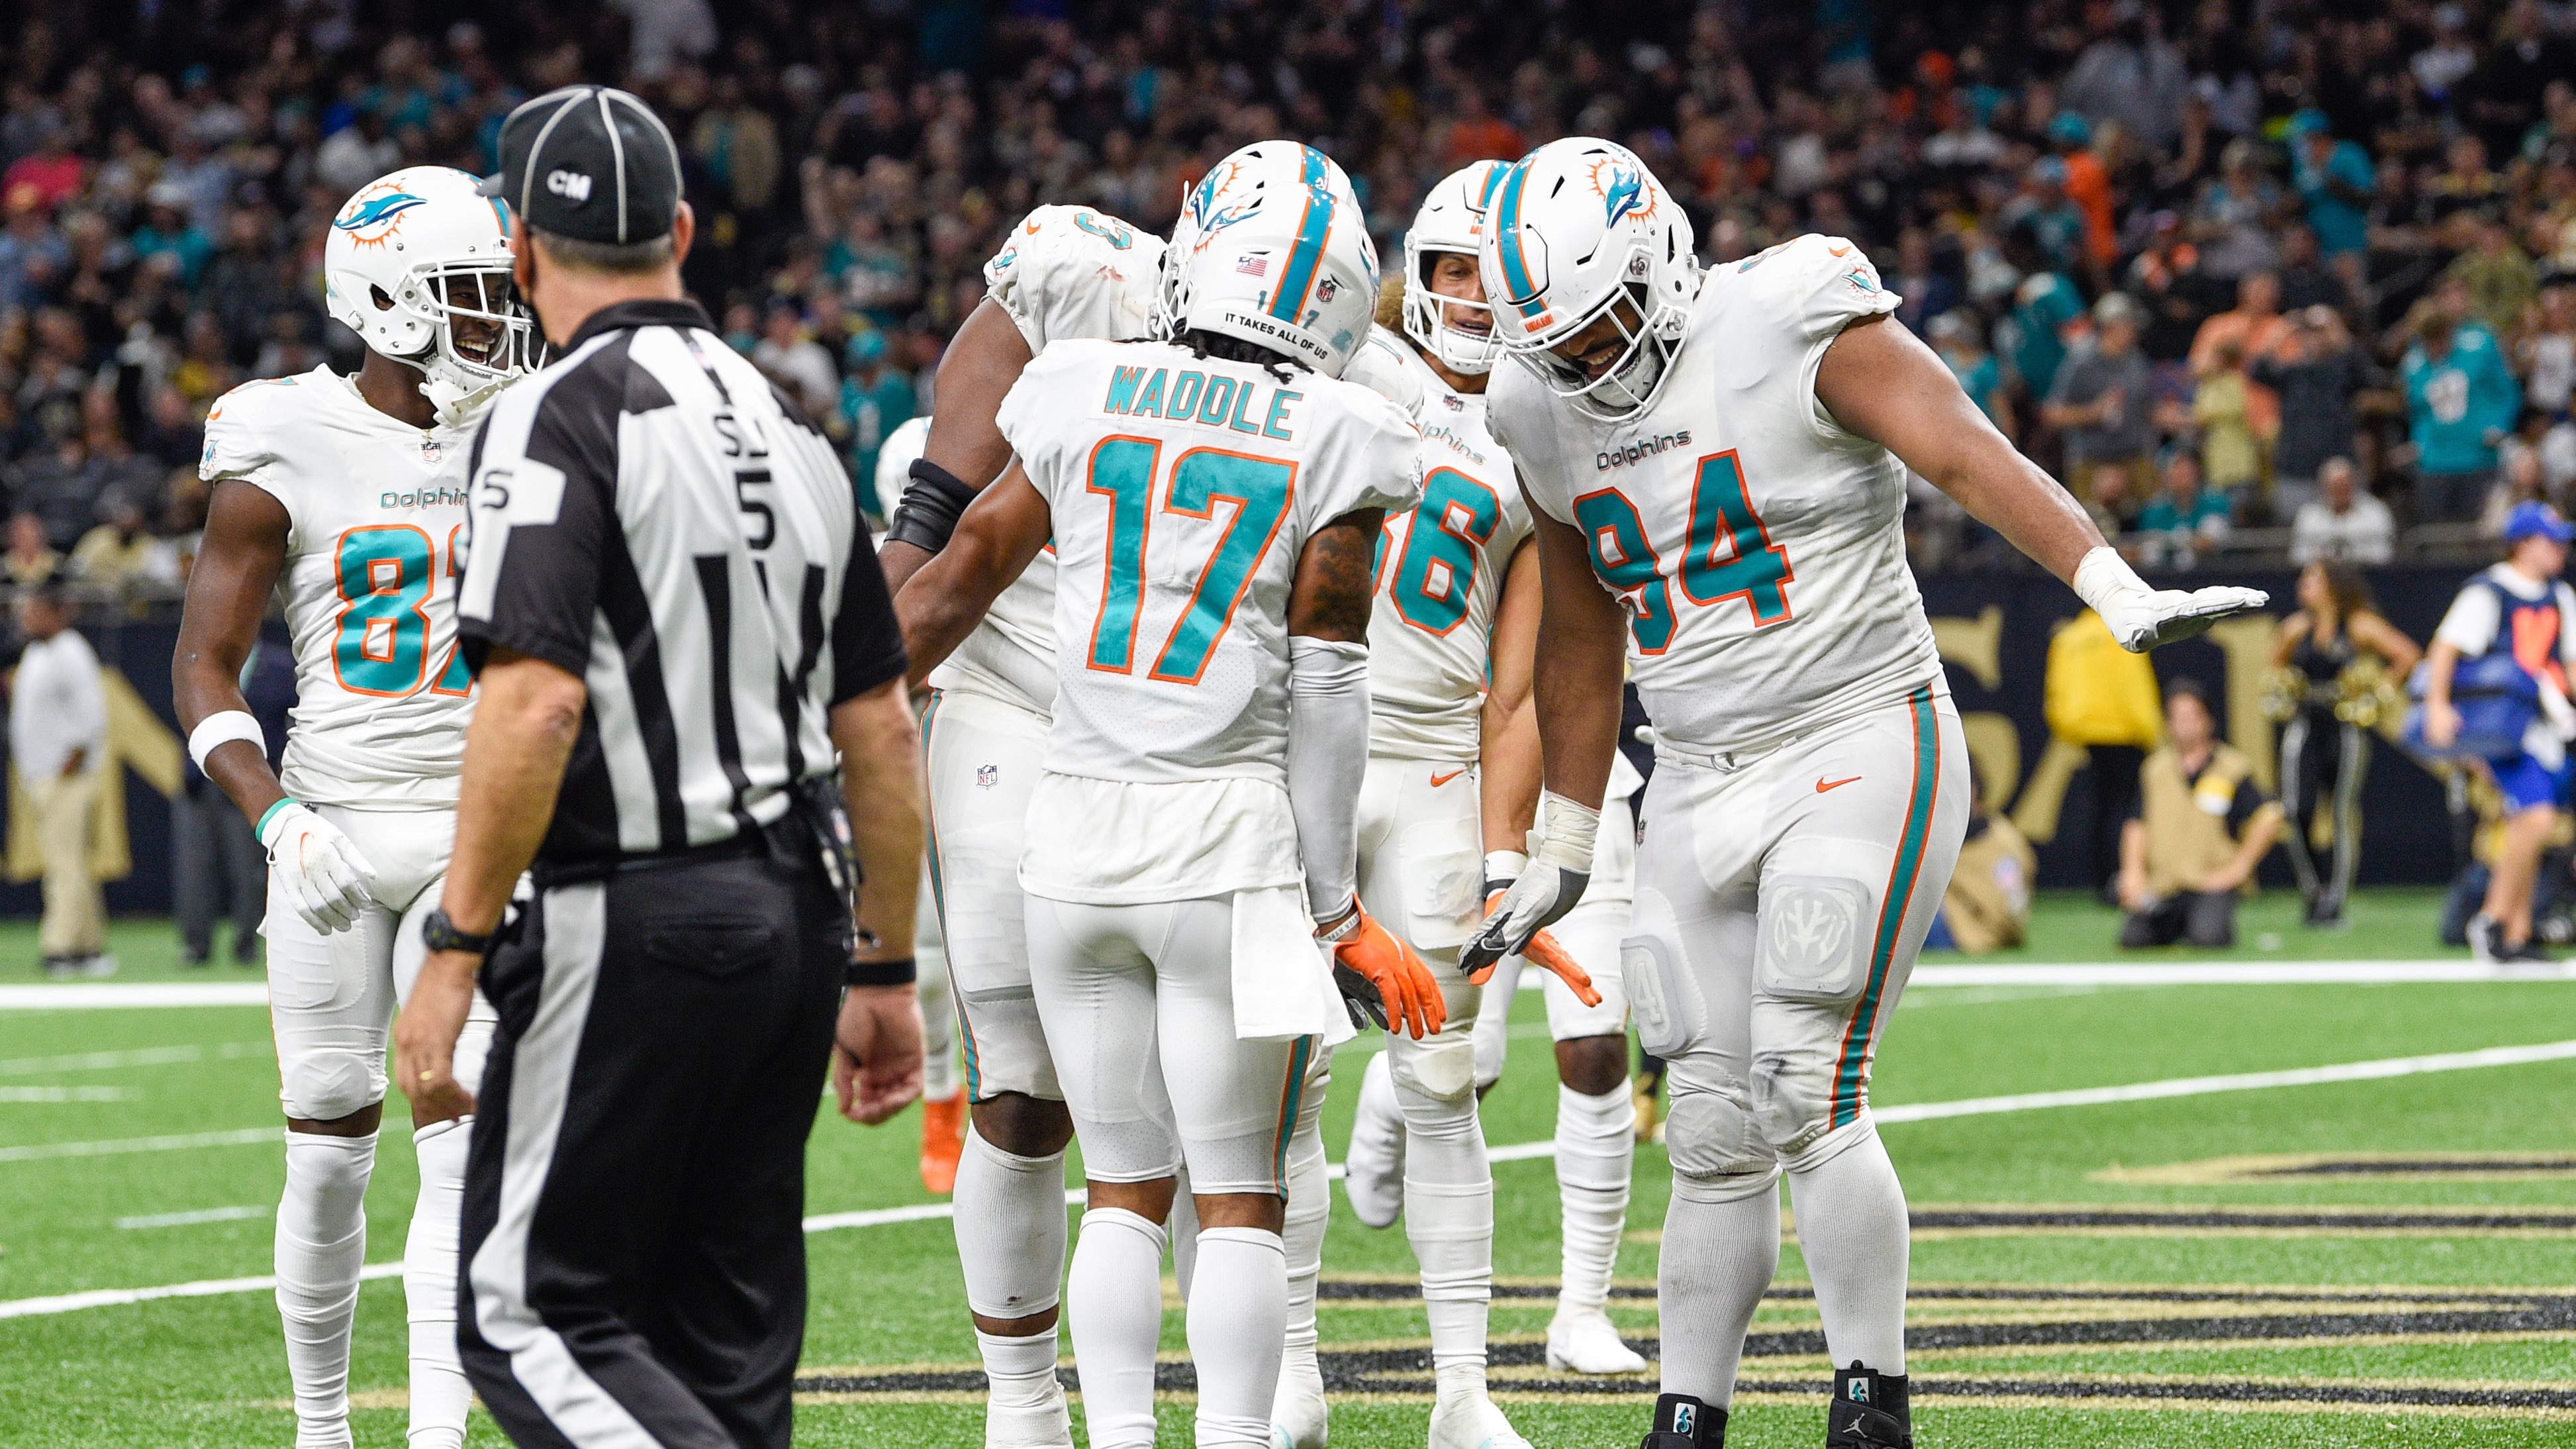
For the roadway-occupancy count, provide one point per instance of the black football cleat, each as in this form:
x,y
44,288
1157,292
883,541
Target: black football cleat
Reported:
x,y
1869,1411
1682,1422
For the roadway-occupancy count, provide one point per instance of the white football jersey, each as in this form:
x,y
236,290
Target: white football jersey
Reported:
x,y
1440,568
1067,271
1183,490
1758,546
376,516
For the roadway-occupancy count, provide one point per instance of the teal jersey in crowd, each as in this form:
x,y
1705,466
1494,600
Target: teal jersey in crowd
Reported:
x,y
873,411
1982,380
2340,226
2042,304
2165,516
2454,405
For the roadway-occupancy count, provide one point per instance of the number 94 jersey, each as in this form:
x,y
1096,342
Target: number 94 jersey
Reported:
x,y
1183,490
375,516
1758,547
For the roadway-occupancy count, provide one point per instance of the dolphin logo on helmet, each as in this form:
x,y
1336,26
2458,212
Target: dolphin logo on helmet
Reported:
x,y
380,210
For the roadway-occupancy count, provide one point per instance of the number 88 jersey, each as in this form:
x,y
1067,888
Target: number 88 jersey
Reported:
x,y
1758,547
375,516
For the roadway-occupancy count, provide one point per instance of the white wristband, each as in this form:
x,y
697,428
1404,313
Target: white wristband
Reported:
x,y
217,729
1505,864
2102,576
1566,832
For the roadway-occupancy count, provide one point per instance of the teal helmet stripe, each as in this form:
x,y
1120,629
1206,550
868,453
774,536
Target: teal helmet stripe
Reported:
x,y
1306,258
1493,183
1523,293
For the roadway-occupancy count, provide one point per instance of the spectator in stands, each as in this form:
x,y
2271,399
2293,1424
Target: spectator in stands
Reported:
x,y
2460,400
58,744
121,553
2314,374
1954,336
2185,519
30,560
876,398
2238,217
2520,480
2344,524
2103,401
1987,905
2232,437
2255,325
2101,699
2047,314
2523,612
2334,180
2544,349
2500,280
797,363
2200,826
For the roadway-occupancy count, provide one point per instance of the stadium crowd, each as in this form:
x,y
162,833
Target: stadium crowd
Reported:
x,y
2225,265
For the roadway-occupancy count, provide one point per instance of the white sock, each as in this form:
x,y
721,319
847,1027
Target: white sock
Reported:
x,y
1852,1232
1114,1304
1010,1229
321,1245
1238,1302
439,1392
1596,1151
1310,1206
1449,1216
1021,1370
1717,1258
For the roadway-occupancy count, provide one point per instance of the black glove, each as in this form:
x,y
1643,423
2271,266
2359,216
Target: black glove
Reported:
x,y
1360,997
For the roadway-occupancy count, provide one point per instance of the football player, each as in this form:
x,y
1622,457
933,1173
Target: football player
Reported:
x,y
1066,272
1721,458
1214,501
345,496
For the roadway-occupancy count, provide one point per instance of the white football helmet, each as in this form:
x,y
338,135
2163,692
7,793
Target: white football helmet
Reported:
x,y
1452,219
418,265
1578,227
1273,248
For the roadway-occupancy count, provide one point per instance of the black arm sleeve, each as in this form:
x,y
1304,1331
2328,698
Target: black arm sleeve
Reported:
x,y
867,642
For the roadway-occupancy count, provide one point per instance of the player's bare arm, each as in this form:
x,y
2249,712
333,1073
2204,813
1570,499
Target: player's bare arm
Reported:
x,y
228,592
1883,383
1335,577
1507,749
527,714
942,602
982,362
876,1046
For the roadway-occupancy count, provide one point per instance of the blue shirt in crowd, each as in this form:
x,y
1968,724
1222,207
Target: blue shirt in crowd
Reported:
x,y
2340,226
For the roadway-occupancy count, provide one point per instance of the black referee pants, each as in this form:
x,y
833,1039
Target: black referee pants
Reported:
x,y
634,1251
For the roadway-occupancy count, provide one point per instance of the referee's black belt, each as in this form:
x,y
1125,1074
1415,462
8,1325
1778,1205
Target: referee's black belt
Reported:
x,y
785,839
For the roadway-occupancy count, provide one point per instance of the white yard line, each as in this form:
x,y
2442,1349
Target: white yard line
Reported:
x,y
201,1215
118,1146
1514,1152
64,1094
98,995
137,1057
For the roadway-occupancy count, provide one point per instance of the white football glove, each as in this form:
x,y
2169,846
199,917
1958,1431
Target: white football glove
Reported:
x,y
325,877
2143,618
1560,866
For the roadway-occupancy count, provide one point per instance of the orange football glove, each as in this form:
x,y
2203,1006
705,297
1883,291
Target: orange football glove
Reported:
x,y
1543,950
1386,978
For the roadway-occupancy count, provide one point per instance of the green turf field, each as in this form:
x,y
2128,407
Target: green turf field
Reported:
x,y
2310,1265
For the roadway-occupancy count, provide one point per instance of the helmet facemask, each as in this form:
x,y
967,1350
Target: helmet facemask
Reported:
x,y
1631,382
1430,319
483,337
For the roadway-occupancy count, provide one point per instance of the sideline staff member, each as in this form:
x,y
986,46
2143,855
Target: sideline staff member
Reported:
x,y
677,619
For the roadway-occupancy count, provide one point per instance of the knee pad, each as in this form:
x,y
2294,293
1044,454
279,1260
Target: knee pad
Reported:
x,y
1442,1068
324,1086
1792,1104
1714,1146
1824,1146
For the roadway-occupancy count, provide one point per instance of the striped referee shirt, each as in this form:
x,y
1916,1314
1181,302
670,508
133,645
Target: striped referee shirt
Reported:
x,y
650,514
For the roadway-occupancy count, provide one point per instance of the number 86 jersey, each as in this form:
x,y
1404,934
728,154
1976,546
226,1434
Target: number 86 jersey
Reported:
x,y
376,514
1758,547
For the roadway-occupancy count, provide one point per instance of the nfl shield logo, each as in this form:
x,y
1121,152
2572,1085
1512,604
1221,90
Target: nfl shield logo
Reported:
x,y
430,452
985,776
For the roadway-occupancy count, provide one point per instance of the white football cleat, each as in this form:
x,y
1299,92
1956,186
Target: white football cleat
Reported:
x,y
1297,1410
1046,1424
1373,1169
1582,1341
1473,1423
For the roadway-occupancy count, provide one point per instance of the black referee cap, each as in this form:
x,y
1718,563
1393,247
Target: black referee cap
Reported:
x,y
592,163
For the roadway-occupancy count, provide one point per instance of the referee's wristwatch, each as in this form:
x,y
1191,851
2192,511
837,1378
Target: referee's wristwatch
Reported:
x,y
438,933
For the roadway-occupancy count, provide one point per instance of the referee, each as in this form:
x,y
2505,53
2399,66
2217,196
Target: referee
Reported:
x,y
677,622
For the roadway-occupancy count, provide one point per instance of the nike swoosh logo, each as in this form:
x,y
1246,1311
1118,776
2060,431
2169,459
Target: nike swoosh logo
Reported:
x,y
1033,228
1823,785
1438,780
